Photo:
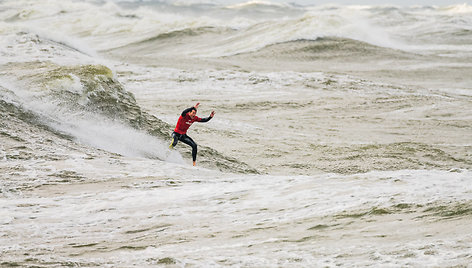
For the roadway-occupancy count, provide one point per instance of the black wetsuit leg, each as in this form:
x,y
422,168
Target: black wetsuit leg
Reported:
x,y
176,136
187,140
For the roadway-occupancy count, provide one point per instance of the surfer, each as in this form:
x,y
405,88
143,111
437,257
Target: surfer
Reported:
x,y
186,119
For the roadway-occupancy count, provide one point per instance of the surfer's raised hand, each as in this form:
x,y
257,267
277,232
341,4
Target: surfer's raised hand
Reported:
x,y
196,105
212,114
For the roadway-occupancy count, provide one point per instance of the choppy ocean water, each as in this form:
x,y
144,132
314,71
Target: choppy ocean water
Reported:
x,y
342,134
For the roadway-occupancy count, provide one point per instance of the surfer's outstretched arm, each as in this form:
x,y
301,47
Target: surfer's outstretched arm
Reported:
x,y
206,119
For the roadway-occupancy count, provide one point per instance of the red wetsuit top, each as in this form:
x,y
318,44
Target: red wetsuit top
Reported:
x,y
185,121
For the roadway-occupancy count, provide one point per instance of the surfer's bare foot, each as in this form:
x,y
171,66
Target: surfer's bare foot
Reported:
x,y
194,163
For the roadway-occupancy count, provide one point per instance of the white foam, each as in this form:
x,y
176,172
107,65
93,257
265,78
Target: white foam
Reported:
x,y
253,3
3,154
115,137
90,27
205,212
67,40
196,216
457,9
91,129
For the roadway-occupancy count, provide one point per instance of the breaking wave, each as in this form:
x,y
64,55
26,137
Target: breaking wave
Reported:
x,y
217,30
87,104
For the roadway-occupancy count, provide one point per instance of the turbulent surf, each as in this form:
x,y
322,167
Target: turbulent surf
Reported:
x,y
342,134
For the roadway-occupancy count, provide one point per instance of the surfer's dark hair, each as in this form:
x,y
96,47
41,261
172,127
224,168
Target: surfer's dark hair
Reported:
x,y
188,110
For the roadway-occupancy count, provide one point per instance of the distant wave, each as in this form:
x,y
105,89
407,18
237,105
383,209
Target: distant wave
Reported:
x,y
458,9
184,33
264,6
221,29
389,27
179,35
325,48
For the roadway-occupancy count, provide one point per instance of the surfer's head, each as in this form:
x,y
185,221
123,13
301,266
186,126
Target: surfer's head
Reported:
x,y
193,112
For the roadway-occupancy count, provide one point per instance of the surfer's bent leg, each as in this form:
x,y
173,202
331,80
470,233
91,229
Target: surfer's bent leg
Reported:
x,y
175,136
187,140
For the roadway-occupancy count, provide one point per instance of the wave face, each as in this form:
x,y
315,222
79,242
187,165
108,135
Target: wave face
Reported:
x,y
85,104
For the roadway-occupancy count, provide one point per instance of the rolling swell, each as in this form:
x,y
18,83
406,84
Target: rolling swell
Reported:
x,y
176,37
188,32
326,48
89,93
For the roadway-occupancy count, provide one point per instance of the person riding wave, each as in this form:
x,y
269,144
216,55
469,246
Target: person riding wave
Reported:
x,y
186,119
